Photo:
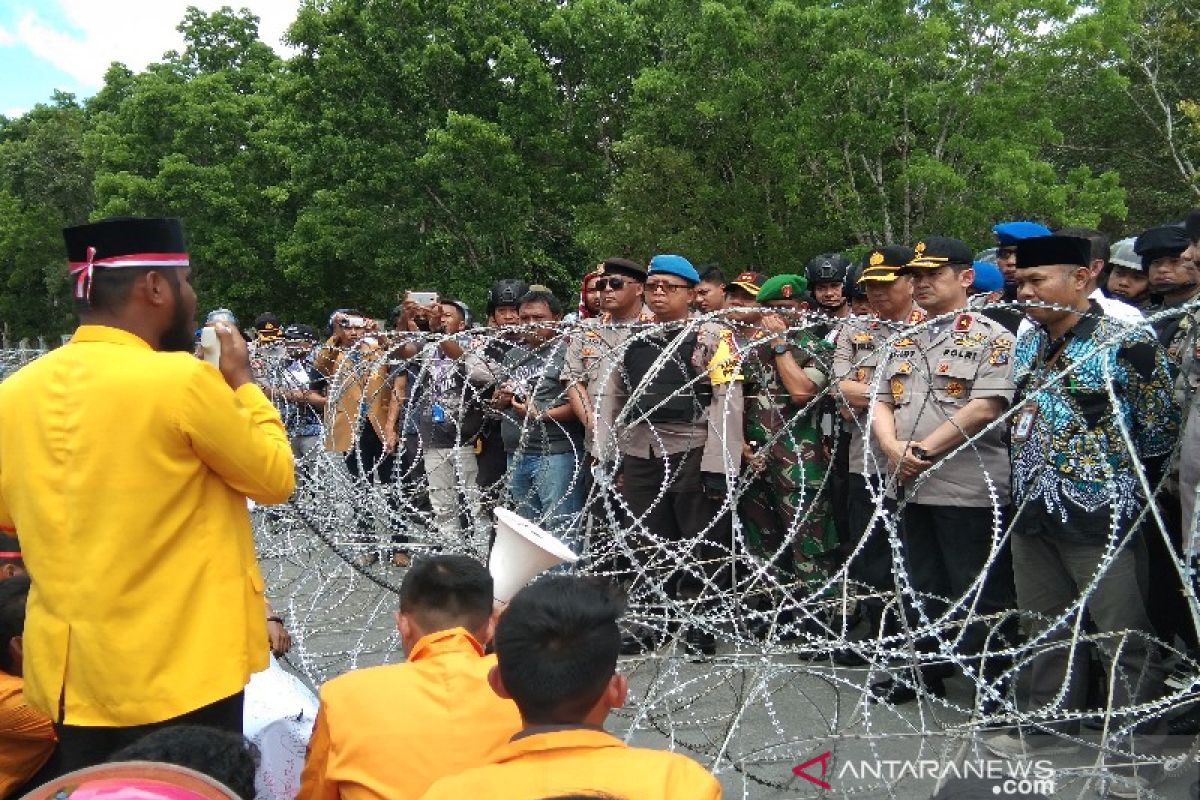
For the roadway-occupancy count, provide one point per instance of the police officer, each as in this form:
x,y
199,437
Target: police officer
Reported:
x,y
946,382
1174,280
1188,384
673,463
859,344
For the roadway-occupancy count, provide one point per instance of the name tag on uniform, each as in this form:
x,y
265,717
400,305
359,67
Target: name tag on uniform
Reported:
x,y
1024,424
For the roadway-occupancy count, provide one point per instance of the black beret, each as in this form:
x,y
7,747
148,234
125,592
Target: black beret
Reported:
x,y
1041,251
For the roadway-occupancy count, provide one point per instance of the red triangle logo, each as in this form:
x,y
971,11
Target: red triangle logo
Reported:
x,y
799,769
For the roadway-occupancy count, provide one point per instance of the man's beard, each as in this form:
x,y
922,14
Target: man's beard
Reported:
x,y
179,337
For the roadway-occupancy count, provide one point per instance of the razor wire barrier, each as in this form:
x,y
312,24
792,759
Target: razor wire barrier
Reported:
x,y
780,688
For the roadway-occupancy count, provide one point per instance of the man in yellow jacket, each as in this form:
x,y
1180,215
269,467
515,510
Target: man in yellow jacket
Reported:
x,y
125,462
387,733
557,645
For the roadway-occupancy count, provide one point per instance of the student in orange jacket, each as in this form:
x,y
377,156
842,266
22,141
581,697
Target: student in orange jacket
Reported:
x,y
125,463
557,646
27,739
387,733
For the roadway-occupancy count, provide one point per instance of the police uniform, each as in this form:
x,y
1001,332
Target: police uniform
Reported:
x,y
1166,605
927,375
860,344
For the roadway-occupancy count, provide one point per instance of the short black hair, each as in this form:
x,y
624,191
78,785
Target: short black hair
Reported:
x,y
224,756
1100,242
447,591
542,296
9,544
557,646
14,592
712,274
111,287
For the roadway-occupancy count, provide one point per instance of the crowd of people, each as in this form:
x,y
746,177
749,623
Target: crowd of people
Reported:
x,y
978,434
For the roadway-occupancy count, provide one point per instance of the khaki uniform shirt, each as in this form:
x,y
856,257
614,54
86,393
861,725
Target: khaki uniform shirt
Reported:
x,y
859,345
594,356
929,374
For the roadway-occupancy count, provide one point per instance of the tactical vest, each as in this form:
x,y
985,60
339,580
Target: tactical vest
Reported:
x,y
671,393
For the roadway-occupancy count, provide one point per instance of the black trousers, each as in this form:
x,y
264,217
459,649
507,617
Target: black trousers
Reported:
x,y
873,564
945,549
85,746
1165,601
666,497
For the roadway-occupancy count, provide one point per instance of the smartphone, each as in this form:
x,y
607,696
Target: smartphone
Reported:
x,y
422,298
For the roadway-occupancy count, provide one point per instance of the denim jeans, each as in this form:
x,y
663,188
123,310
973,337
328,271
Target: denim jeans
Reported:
x,y
546,490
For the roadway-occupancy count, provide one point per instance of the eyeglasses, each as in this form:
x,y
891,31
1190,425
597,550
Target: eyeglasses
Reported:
x,y
616,284
665,287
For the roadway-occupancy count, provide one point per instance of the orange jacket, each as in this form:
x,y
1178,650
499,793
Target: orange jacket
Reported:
x,y
386,733
127,471
579,761
26,736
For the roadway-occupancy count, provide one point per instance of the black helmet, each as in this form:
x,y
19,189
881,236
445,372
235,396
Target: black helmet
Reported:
x,y
827,268
854,289
506,292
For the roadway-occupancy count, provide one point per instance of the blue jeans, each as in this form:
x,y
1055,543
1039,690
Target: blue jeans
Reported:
x,y
546,490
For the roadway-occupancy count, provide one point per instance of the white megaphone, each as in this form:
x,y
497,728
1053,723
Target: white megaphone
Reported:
x,y
521,552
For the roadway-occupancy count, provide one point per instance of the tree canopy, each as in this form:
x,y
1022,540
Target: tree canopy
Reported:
x,y
422,144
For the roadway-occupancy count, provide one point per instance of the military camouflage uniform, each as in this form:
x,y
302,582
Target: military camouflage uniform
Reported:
x,y
788,500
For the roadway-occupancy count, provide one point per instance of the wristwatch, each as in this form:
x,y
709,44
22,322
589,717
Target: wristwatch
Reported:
x,y
781,348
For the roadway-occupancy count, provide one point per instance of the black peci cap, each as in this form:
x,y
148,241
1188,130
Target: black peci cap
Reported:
x,y
1042,251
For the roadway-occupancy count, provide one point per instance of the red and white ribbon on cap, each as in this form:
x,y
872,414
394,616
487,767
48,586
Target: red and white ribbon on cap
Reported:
x,y
82,270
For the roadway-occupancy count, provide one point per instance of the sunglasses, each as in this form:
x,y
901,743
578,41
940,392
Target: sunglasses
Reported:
x,y
616,284
665,287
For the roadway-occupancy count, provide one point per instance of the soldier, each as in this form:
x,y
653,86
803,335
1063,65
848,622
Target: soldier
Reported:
x,y
826,276
859,344
785,510
946,383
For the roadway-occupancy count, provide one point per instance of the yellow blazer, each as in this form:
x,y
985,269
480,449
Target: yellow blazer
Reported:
x,y
125,472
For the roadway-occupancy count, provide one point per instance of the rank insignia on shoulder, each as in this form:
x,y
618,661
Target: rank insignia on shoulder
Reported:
x,y
963,322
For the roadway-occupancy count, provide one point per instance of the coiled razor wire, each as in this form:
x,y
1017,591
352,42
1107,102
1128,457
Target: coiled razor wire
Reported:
x,y
773,698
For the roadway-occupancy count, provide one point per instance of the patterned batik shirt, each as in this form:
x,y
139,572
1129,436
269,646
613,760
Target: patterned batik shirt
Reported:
x,y
1075,473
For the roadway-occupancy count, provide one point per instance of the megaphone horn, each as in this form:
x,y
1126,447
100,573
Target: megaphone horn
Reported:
x,y
521,552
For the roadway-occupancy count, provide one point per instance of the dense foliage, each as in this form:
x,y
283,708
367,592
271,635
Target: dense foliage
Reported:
x,y
446,143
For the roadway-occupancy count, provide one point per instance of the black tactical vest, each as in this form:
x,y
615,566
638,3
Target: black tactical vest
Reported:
x,y
671,393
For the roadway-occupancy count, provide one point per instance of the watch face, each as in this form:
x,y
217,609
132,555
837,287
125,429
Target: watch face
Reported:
x,y
780,349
